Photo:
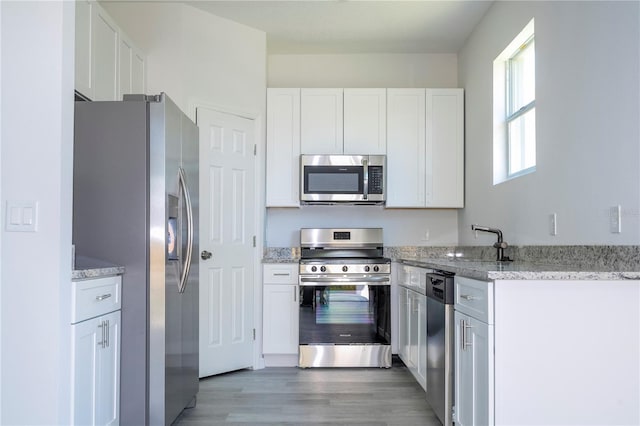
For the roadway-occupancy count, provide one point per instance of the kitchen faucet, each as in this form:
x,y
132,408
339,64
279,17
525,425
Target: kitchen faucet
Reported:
x,y
500,244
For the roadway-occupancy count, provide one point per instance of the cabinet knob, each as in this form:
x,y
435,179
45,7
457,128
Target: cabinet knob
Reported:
x,y
205,255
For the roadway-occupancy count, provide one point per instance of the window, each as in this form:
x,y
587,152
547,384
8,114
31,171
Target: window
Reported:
x,y
514,108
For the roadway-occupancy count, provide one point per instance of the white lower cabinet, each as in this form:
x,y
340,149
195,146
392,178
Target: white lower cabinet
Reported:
x,y
412,321
547,352
473,352
96,372
473,371
95,381
280,319
280,314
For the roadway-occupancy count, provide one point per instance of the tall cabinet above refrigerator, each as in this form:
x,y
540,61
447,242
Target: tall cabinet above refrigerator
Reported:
x,y
136,204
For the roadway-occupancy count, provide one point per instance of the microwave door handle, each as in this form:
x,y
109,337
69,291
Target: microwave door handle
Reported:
x,y
365,166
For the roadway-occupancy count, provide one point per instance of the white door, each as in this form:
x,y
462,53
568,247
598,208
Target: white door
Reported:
x,y
227,213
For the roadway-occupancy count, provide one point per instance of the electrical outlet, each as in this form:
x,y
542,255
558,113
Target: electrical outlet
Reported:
x,y
553,224
425,237
615,219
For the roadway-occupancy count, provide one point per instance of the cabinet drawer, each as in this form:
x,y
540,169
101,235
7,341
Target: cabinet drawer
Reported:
x,y
413,277
94,297
474,298
280,273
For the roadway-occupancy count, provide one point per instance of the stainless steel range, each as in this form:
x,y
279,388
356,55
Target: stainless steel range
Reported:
x,y
345,303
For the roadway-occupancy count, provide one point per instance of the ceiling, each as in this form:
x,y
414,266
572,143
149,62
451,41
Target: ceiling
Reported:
x,y
315,27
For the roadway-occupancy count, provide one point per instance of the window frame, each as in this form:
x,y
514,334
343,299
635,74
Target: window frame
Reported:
x,y
503,106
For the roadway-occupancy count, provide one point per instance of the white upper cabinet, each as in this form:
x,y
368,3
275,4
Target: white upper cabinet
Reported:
x,y
107,64
84,76
130,68
365,121
406,165
283,148
425,148
321,125
445,148
421,131
104,54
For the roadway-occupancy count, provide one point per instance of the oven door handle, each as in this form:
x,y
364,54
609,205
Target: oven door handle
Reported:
x,y
379,280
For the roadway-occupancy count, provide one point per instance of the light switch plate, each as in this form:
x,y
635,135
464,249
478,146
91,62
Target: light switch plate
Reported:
x,y
22,216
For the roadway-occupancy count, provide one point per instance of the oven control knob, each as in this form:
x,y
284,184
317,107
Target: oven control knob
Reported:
x,y
376,268
314,268
367,268
345,269
323,268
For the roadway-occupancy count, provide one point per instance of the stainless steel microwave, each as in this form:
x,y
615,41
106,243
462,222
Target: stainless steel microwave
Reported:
x,y
355,179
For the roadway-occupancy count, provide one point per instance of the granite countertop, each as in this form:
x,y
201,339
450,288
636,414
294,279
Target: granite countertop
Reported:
x,y
519,270
280,260
87,267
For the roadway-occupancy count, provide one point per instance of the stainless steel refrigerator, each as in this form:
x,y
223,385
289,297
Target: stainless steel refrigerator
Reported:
x,y
135,204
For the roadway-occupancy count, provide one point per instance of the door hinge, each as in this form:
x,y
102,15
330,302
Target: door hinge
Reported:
x,y
254,240
255,149
254,334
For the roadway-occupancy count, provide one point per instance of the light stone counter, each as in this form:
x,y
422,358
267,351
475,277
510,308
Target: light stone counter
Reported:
x,y
532,262
87,267
517,270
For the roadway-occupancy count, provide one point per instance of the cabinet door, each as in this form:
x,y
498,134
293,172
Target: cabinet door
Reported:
x,y
105,55
138,72
283,148
280,319
84,76
96,371
403,324
321,123
473,371
413,329
86,336
365,121
405,148
445,148
130,68
421,366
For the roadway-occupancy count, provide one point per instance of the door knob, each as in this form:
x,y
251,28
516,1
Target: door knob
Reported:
x,y
205,255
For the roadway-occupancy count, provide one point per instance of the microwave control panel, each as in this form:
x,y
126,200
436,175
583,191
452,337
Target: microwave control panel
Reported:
x,y
376,180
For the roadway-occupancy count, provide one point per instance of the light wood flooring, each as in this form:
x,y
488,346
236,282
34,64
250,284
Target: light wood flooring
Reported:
x,y
315,396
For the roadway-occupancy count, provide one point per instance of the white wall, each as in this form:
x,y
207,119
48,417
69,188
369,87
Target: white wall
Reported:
x,y
37,154
587,117
401,226
363,70
195,56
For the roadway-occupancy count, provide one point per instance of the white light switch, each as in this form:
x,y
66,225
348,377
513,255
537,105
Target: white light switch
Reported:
x,y
22,216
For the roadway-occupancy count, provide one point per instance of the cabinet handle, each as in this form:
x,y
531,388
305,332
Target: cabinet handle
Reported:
x,y
295,290
101,343
468,297
281,274
464,344
108,337
103,297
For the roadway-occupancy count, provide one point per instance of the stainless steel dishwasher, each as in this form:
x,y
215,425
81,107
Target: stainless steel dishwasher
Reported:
x,y
440,337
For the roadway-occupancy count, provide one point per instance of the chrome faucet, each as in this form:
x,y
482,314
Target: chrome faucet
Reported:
x,y
500,245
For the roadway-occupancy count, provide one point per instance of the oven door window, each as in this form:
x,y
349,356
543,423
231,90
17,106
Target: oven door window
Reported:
x,y
333,179
345,314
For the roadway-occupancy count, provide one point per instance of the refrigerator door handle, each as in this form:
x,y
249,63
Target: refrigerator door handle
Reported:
x,y
187,258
